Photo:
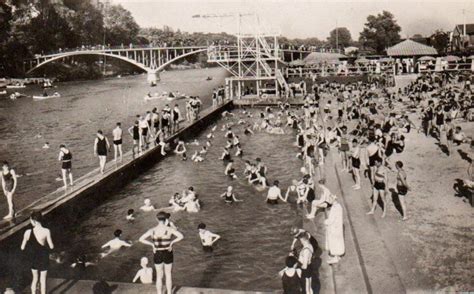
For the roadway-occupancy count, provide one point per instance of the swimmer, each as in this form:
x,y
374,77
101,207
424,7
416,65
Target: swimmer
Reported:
x,y
229,170
147,206
192,204
248,130
210,136
239,152
117,134
225,155
208,144
130,215
196,157
195,142
229,196
65,156
46,145
115,244
82,263
207,237
163,238
274,193
203,150
101,145
176,202
181,149
145,274
9,184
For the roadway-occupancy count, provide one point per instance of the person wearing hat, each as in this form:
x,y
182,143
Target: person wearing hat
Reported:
x,y
334,231
163,238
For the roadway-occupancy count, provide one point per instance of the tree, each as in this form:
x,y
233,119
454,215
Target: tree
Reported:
x,y
380,32
440,40
340,37
121,27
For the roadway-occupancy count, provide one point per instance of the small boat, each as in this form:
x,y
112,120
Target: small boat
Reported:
x,y
4,92
171,96
16,86
209,79
42,97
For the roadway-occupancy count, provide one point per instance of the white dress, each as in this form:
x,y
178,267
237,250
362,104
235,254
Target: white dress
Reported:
x,y
335,232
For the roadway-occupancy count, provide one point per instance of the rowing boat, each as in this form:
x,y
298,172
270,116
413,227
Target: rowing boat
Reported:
x,y
46,97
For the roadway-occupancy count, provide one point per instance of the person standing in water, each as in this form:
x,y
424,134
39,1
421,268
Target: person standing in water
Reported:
x,y
117,133
38,239
9,183
163,238
101,145
65,156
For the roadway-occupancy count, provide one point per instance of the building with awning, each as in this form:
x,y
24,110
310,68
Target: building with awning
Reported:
x,y
409,48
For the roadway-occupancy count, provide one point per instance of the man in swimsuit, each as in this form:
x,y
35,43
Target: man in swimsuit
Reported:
x,y
9,183
134,131
143,124
101,145
38,238
379,186
65,156
402,188
117,133
305,257
162,244
274,193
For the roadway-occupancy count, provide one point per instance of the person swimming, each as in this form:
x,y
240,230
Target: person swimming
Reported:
x,y
147,206
207,238
145,274
130,215
115,244
229,196
229,170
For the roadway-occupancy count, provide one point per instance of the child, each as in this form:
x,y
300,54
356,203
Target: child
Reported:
x,y
207,238
130,217
115,244
145,274
147,206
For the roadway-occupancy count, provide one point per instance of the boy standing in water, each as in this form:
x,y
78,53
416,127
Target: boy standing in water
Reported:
x,y
207,237
145,274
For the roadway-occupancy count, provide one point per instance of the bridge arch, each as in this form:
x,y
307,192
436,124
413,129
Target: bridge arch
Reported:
x,y
79,53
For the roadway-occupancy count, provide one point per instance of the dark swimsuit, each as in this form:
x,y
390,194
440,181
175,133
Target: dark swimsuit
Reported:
x,y
291,285
162,254
8,179
136,133
374,157
67,160
229,198
101,147
39,254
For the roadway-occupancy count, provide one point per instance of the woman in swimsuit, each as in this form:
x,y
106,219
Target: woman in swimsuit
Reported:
x,y
65,156
101,145
374,153
9,183
355,159
38,239
163,238
229,170
290,276
402,187
229,196
380,186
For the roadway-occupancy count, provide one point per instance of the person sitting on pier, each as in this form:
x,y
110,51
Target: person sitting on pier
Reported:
x,y
147,206
145,274
207,238
160,140
115,244
181,149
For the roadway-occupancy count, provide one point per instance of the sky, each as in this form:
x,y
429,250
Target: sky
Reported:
x,y
298,18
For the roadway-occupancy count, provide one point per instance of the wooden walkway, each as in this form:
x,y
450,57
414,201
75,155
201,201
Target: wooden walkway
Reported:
x,y
60,196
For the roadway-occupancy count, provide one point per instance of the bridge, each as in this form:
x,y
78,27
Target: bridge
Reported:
x,y
150,59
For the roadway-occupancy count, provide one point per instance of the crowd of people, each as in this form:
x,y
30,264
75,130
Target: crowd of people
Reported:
x,y
363,123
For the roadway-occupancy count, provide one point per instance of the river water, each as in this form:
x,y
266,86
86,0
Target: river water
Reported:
x,y
255,236
73,119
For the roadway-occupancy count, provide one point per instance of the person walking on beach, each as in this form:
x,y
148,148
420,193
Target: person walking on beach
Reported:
x,y
65,156
163,238
101,145
402,188
335,232
38,239
9,183
117,133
